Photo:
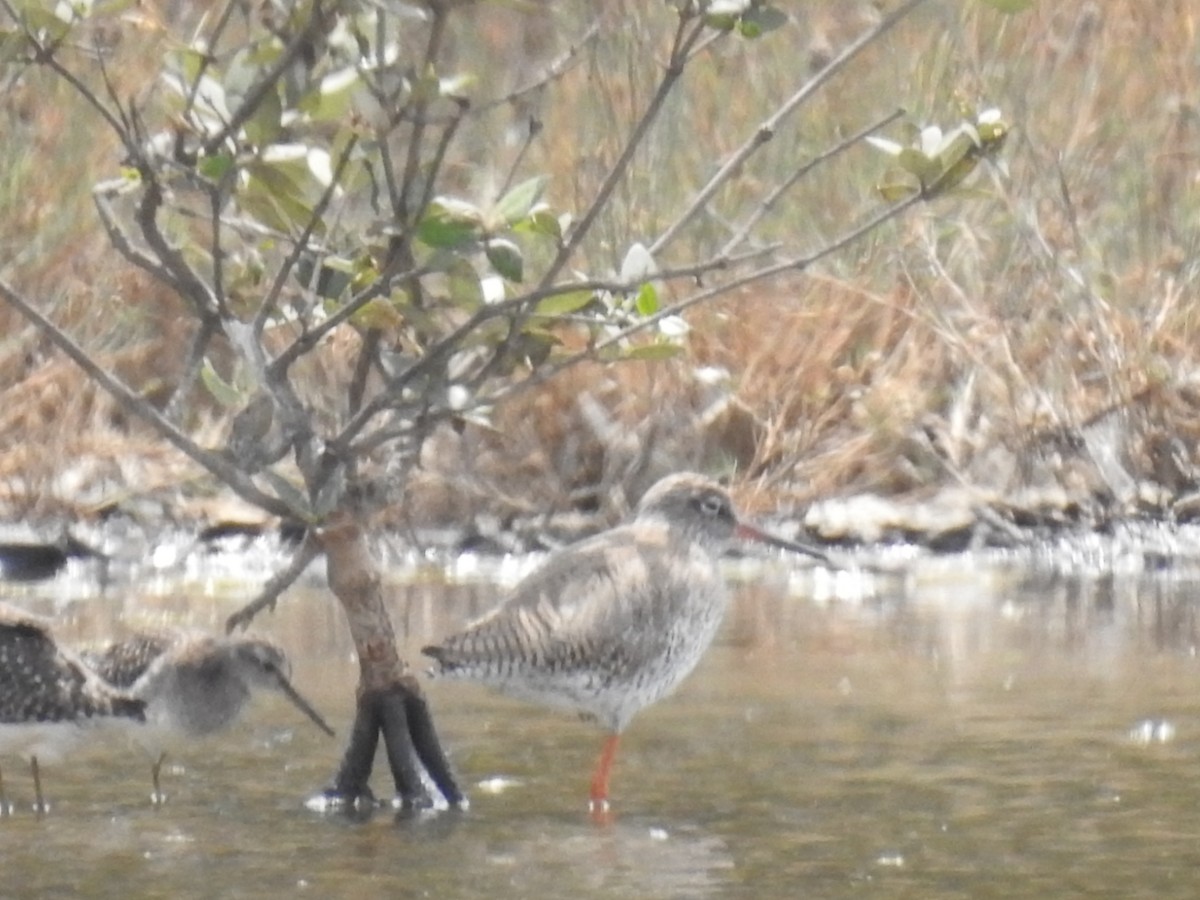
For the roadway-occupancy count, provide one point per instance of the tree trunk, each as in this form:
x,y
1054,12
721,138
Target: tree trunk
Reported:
x,y
389,697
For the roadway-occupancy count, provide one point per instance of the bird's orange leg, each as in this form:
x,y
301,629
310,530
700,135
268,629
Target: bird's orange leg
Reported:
x,y
40,802
599,794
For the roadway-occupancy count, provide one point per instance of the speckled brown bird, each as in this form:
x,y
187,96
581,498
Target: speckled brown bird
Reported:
x,y
194,684
613,623
50,700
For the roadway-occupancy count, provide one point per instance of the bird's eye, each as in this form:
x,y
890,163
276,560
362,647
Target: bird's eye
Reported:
x,y
711,505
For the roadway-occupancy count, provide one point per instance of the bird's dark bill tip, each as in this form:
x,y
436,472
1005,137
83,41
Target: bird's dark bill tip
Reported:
x,y
750,533
303,705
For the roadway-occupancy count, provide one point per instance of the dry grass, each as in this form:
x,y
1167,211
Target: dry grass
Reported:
x,y
983,341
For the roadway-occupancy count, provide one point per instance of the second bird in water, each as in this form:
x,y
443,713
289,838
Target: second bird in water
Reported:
x,y
194,684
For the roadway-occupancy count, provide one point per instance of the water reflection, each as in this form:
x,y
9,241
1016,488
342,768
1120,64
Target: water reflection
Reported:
x,y
959,730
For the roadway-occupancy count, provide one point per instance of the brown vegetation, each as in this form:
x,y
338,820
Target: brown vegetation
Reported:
x,y
1037,335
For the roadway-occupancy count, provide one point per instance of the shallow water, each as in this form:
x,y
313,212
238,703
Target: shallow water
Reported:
x,y
973,728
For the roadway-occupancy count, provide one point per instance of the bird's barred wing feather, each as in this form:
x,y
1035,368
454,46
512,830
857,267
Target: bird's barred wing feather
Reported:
x,y
579,604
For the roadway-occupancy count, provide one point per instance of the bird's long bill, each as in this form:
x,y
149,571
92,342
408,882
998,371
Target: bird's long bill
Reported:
x,y
750,533
301,704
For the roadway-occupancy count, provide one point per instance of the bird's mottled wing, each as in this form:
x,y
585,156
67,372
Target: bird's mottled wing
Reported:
x,y
123,662
579,607
40,682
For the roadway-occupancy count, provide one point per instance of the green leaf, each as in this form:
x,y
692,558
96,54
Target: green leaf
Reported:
x,y
245,70
721,21
222,391
758,21
330,281
450,223
265,124
506,258
426,88
893,190
655,351
42,21
380,314
646,301
541,221
463,283
456,86
954,175
13,44
518,202
214,167
1009,6
917,163
332,99
274,197
113,7
564,304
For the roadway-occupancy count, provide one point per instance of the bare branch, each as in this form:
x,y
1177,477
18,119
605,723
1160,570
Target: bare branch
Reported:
x,y
685,41
313,336
207,59
518,307
120,240
549,370
217,250
531,133
270,302
557,68
766,131
316,25
772,198
142,409
193,362
186,281
46,54
416,140
309,549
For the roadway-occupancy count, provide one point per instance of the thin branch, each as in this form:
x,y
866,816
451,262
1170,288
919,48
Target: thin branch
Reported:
x,y
520,307
122,244
218,252
439,154
188,283
192,364
313,336
416,140
772,198
140,407
548,371
766,131
684,41
309,549
207,58
385,148
128,133
316,25
301,245
45,55
531,133
362,370
557,68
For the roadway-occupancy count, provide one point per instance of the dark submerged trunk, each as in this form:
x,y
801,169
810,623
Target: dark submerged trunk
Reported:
x,y
389,697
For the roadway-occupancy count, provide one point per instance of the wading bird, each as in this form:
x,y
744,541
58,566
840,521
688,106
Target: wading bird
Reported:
x,y
611,624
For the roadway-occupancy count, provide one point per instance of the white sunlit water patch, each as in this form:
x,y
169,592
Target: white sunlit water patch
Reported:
x,y
1152,731
497,784
476,568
